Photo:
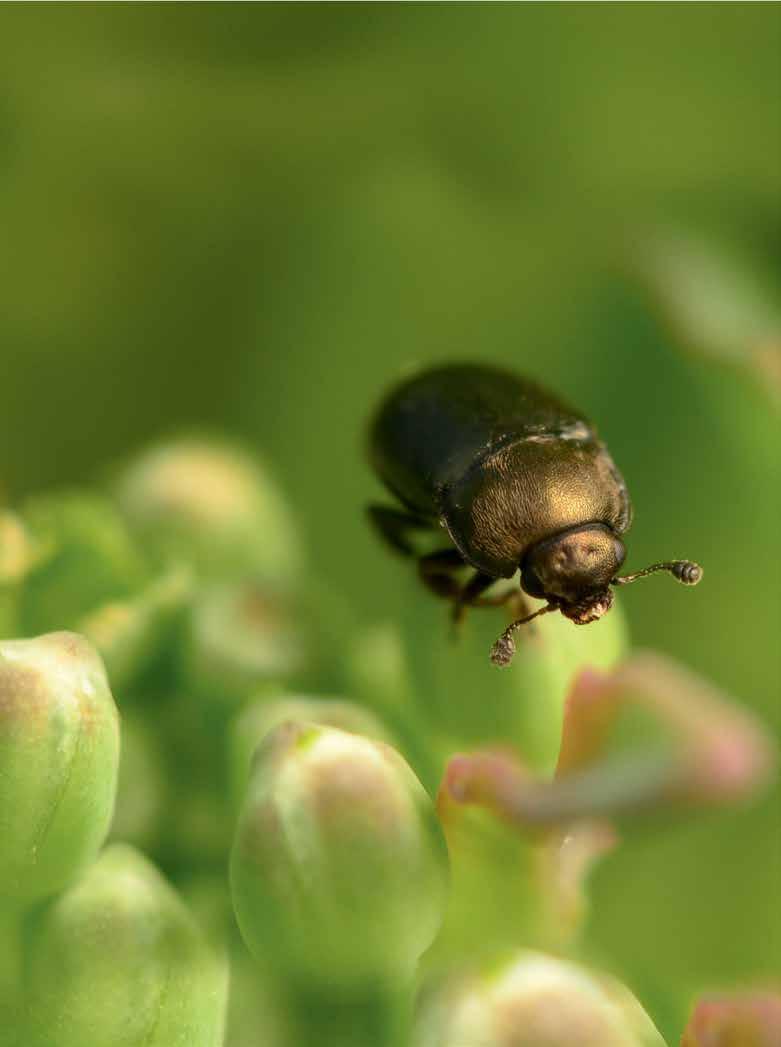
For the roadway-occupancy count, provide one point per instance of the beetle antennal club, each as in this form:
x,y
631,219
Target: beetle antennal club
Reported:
x,y
687,572
503,650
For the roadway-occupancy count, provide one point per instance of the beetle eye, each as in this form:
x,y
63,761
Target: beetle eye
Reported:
x,y
531,583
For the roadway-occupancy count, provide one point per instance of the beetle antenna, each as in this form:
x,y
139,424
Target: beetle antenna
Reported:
x,y
503,650
687,572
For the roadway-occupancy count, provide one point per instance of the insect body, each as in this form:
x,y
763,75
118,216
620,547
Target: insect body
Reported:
x,y
518,480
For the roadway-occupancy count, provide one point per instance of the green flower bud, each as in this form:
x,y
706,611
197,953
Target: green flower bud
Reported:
x,y
17,549
338,868
240,636
118,959
719,299
547,664
130,633
468,702
59,751
213,504
85,558
534,1000
262,715
17,553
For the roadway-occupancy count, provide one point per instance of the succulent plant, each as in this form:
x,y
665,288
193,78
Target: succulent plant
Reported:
x,y
406,864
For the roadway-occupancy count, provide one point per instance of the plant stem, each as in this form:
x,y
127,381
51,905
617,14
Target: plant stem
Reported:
x,y
323,1017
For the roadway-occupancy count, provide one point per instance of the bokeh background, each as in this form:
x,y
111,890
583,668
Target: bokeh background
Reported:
x,y
253,218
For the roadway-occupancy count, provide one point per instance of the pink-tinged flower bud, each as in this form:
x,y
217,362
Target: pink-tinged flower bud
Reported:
x,y
338,868
212,504
118,961
59,752
718,300
689,746
692,746
534,1000
746,1019
494,813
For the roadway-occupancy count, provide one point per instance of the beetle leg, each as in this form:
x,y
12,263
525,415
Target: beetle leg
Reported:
x,y
437,572
394,525
470,596
519,605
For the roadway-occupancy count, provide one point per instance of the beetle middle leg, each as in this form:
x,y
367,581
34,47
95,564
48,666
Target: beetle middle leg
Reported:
x,y
438,573
471,596
394,527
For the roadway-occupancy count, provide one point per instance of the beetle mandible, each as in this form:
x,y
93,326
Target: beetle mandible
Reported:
x,y
519,481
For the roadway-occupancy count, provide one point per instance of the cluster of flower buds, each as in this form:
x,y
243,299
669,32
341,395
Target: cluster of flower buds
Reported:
x,y
375,845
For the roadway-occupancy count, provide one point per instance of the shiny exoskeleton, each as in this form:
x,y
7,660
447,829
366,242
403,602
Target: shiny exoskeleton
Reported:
x,y
518,480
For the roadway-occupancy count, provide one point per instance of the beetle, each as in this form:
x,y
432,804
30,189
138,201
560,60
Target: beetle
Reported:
x,y
518,480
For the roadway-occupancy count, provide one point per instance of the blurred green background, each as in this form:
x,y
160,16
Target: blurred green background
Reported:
x,y
252,218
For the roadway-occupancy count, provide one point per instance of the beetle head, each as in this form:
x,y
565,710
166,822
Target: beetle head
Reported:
x,y
574,569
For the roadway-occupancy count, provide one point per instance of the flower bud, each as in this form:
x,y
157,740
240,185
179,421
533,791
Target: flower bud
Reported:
x,y
240,637
59,751
525,875
718,299
534,1000
17,549
746,1019
212,504
469,703
338,868
118,959
262,715
130,633
18,553
84,558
